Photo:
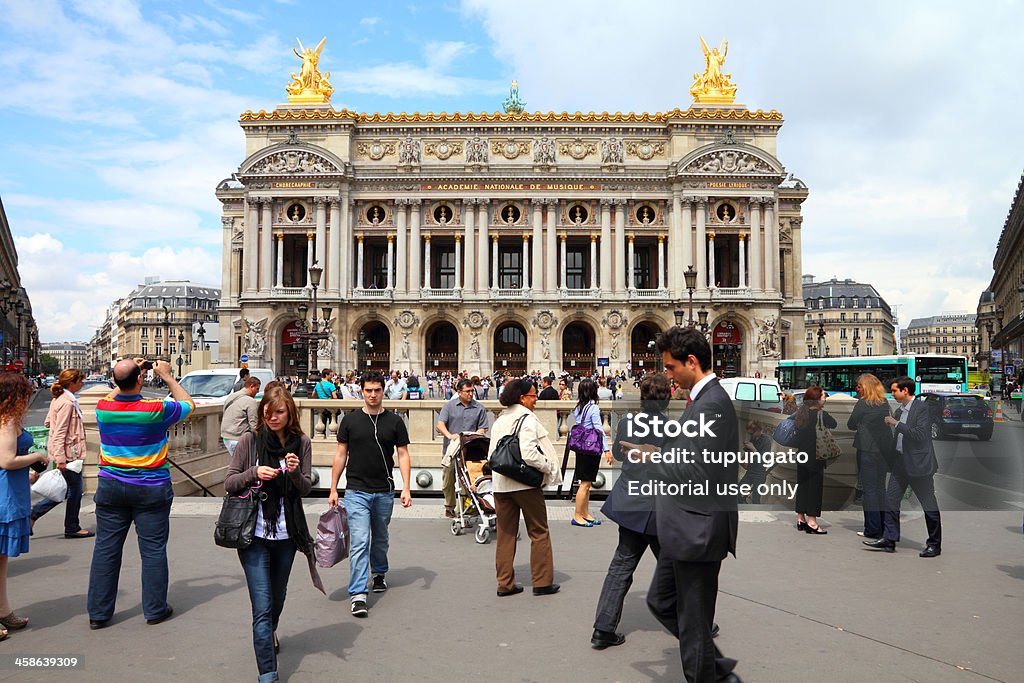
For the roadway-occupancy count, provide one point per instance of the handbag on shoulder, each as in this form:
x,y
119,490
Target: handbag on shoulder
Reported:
x,y
785,432
507,459
825,446
236,524
584,440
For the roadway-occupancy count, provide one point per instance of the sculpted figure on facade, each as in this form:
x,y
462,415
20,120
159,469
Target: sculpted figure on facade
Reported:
x,y
476,151
255,337
611,151
766,337
405,346
713,84
325,347
309,81
409,151
615,346
474,346
545,346
544,152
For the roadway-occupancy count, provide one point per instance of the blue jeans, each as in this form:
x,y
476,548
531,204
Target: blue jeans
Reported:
x,y
872,470
74,503
368,517
267,566
118,505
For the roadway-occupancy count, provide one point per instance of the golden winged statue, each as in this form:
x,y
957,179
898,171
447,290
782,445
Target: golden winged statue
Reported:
x,y
713,86
309,86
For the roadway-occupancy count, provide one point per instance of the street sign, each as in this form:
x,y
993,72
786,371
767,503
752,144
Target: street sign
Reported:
x,y
245,365
602,362
1010,371
244,358
1017,362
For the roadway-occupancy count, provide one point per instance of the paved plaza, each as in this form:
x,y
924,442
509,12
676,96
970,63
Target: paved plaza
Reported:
x,y
793,607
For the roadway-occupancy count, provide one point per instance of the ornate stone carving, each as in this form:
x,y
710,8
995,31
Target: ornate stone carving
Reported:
x,y
409,151
325,347
405,346
510,149
375,149
255,337
767,335
611,151
615,346
579,149
544,320
645,149
407,320
476,150
442,149
727,161
544,152
294,161
614,320
475,320
545,346
474,346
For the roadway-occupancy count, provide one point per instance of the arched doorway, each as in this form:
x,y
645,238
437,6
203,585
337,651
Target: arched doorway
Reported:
x,y
727,349
643,355
294,356
578,348
510,349
442,351
373,348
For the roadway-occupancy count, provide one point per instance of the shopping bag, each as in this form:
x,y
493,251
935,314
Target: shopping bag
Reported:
x,y
332,537
51,484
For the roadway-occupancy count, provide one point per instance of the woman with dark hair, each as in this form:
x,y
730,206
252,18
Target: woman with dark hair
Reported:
x,y
511,497
15,392
66,448
810,477
276,460
873,441
587,413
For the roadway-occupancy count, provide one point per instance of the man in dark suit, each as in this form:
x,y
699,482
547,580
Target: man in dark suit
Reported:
x,y
696,530
915,466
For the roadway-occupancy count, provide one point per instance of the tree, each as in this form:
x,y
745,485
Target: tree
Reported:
x,y
49,364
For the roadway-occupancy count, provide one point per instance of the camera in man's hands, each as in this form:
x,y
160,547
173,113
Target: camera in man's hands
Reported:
x,y
147,365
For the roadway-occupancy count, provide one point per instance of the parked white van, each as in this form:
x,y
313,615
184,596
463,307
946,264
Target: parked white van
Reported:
x,y
754,392
213,386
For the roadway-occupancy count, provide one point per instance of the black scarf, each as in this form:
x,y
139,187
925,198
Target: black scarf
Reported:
x,y
271,452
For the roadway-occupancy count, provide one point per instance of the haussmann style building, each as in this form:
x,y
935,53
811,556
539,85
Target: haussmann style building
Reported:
x,y
510,241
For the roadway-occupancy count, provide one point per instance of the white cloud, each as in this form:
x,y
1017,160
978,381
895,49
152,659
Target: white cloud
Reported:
x,y
369,21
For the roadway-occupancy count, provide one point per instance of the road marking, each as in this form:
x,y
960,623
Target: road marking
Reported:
x,y
974,483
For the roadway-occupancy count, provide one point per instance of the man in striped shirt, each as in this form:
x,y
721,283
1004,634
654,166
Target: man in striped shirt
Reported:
x,y
134,484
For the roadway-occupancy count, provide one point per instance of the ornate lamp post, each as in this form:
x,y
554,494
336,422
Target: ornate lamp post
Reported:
x,y
318,330
679,314
167,331
856,337
690,275
988,328
181,343
822,349
702,320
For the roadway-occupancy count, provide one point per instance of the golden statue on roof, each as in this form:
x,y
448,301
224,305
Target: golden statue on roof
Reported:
x,y
713,86
309,86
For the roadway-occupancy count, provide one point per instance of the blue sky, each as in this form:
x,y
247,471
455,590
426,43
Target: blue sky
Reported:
x,y
117,119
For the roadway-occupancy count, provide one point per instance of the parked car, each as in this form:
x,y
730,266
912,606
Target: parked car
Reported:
x,y
959,414
213,386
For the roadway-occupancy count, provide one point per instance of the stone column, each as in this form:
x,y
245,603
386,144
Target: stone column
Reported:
x,y
661,262
401,257
321,232
552,249
675,247
426,262
630,263
391,262
227,266
686,233
620,245
494,261
359,262
469,267
334,242
280,260
266,245
771,243
483,244
562,277
743,260
309,257
458,261
593,260
537,279
701,205
756,251
414,243
249,257
606,245
711,260
526,261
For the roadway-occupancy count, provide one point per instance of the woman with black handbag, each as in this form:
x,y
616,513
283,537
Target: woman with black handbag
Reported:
x,y
275,461
511,496
810,476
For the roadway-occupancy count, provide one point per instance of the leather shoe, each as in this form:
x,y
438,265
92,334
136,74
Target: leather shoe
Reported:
x,y
930,551
602,639
714,630
515,591
96,625
881,544
546,590
732,678
163,617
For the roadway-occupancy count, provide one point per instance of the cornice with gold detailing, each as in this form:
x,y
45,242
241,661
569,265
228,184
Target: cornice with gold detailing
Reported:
x,y
536,117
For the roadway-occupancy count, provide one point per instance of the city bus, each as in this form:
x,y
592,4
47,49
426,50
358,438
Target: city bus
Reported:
x,y
932,372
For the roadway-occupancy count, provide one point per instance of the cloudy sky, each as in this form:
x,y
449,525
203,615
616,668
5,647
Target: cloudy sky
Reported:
x,y
118,118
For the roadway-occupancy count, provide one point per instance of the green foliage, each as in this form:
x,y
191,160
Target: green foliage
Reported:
x,y
49,364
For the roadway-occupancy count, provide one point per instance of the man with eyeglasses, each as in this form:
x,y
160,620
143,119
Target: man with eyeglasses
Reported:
x,y
461,414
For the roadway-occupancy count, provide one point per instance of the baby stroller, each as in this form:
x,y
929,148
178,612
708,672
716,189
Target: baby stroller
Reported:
x,y
474,491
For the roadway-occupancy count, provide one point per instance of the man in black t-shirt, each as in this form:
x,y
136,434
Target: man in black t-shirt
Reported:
x,y
367,441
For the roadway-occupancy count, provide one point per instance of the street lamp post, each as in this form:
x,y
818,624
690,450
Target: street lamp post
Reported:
x,y
702,320
690,276
318,329
679,314
181,343
822,349
167,330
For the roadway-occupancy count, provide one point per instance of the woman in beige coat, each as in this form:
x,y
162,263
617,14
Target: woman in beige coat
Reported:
x,y
510,497
66,448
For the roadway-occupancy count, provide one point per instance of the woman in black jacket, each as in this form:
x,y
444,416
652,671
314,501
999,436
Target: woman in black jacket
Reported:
x,y
873,441
810,478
